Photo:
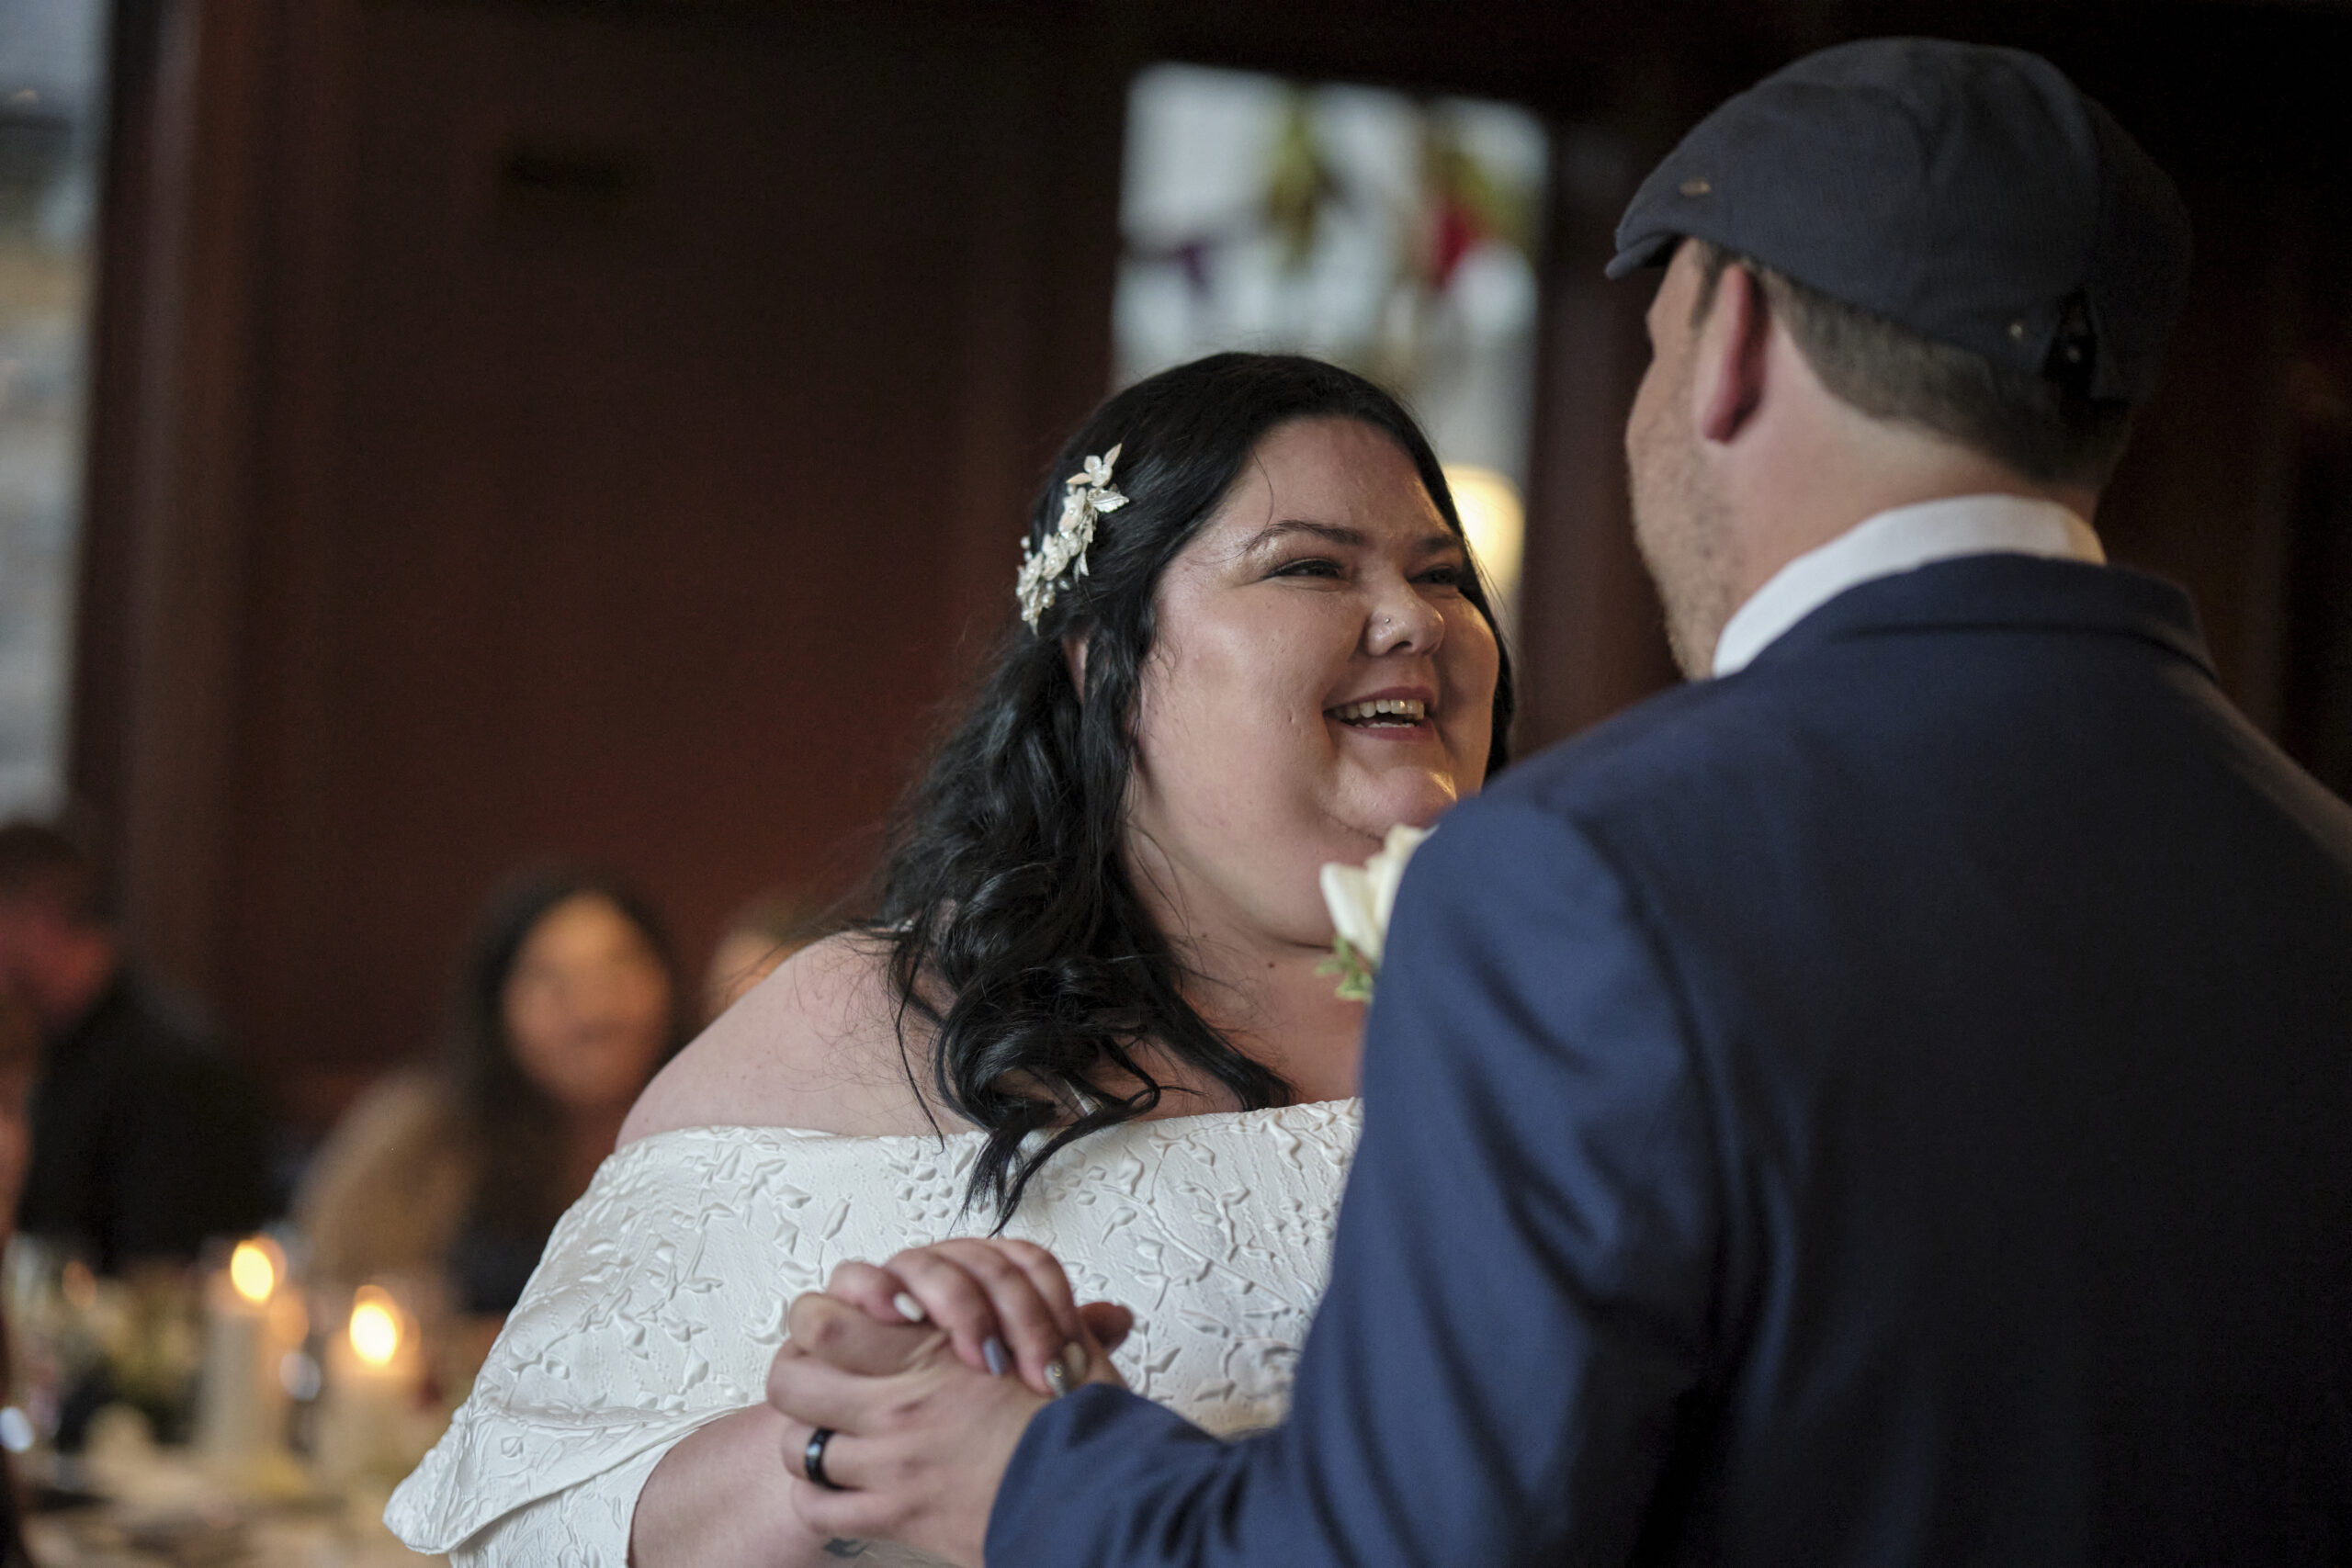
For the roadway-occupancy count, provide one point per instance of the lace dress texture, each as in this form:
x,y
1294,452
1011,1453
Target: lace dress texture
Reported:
x,y
659,1302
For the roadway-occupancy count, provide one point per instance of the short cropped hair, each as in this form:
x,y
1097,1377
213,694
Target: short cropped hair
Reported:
x,y
54,867
2047,427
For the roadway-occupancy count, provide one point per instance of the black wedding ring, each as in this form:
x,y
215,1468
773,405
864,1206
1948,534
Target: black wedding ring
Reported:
x,y
813,1460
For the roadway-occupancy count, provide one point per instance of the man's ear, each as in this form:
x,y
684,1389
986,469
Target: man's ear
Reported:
x,y
1074,660
1727,381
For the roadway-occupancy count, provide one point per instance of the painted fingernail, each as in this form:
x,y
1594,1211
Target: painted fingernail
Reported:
x,y
992,1352
1056,1377
908,1308
1074,1359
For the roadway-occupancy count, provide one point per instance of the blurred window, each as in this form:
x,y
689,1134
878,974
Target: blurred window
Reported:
x,y
1392,234
51,114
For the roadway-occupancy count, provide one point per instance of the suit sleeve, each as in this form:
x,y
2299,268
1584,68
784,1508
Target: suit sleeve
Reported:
x,y
1522,1276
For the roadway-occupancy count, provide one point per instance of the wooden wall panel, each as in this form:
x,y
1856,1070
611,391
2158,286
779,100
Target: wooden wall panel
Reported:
x,y
618,566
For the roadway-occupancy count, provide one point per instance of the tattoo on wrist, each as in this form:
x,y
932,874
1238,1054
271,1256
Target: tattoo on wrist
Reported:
x,y
838,1547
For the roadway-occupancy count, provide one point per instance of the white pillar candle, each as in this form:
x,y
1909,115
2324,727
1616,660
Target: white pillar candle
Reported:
x,y
368,1415
250,1321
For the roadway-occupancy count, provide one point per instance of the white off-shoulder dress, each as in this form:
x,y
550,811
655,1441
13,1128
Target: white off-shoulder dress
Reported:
x,y
659,1302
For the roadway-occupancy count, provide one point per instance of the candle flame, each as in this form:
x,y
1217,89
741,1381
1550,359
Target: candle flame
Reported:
x,y
375,1327
252,1271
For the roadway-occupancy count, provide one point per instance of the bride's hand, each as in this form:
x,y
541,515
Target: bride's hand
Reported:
x,y
1004,1305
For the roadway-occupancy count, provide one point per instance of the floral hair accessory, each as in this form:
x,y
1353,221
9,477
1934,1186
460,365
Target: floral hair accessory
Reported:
x,y
1089,497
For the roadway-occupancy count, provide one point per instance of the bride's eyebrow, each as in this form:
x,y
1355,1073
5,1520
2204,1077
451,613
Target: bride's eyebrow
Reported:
x,y
1431,545
1331,533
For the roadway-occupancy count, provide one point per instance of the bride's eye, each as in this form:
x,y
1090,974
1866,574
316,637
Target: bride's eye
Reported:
x,y
1309,566
1452,575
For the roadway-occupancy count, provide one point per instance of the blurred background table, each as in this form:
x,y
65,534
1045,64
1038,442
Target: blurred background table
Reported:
x,y
221,1414
132,1504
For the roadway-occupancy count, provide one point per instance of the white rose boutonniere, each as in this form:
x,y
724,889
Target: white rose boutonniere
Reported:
x,y
1360,898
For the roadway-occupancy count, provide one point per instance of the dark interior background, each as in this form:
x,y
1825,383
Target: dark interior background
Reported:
x,y
602,430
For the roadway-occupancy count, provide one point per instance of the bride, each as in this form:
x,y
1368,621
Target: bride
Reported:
x,y
1087,1012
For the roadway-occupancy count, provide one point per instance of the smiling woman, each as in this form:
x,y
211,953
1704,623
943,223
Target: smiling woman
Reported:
x,y
1327,583
1101,901
1252,641
1104,892
568,1000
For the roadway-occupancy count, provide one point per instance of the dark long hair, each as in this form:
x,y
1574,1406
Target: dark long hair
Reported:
x,y
1012,930
516,1125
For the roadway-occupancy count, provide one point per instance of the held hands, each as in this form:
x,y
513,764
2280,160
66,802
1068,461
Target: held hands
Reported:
x,y
910,1369
1006,1306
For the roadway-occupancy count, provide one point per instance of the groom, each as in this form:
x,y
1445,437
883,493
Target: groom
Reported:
x,y
1888,1101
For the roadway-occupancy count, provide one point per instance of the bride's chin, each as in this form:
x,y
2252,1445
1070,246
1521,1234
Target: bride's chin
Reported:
x,y
1416,802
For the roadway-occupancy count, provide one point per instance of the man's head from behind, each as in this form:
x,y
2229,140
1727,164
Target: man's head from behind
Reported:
x,y
57,944
1899,269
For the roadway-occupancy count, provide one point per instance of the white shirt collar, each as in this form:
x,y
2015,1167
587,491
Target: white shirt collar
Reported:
x,y
1897,541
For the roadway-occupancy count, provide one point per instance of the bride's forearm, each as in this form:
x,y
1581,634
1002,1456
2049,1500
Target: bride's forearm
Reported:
x,y
722,1499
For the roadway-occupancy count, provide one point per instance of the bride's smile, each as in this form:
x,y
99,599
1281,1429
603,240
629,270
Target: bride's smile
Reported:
x,y
1401,714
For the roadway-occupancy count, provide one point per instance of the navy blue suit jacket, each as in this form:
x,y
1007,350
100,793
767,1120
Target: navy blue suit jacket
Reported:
x,y
1890,1106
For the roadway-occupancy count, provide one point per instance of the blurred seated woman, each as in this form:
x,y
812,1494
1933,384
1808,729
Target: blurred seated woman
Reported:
x,y
1087,1012
568,1003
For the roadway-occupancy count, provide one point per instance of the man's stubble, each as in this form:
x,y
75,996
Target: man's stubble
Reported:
x,y
1684,533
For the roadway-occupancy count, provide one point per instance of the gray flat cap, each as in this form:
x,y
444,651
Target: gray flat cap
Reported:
x,y
1968,193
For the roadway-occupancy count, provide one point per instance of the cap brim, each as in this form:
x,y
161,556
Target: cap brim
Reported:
x,y
1652,249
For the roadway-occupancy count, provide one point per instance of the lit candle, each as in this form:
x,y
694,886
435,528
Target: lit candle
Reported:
x,y
368,1414
250,1321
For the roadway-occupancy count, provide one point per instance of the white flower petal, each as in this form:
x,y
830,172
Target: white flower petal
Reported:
x,y
1386,871
1347,893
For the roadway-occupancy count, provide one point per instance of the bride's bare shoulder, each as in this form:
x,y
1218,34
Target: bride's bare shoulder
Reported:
x,y
815,1045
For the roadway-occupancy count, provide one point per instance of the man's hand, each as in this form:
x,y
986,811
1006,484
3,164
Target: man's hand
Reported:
x,y
925,1418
